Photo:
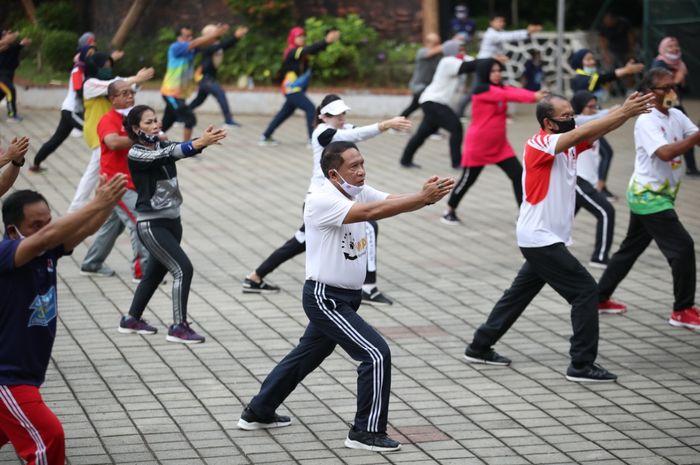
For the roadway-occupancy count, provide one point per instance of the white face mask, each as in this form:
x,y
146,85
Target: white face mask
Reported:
x,y
123,111
589,69
19,234
672,56
351,190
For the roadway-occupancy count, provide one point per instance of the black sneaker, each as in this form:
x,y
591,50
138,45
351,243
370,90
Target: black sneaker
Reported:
x,y
489,357
377,442
251,287
590,374
410,165
450,218
375,297
249,421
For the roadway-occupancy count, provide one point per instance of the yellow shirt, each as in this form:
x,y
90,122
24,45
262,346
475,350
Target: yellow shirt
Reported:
x,y
95,109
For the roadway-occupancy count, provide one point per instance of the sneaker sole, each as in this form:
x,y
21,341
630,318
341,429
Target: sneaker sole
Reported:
x,y
612,311
678,324
485,362
95,274
450,223
350,444
247,290
135,331
589,380
254,425
372,302
182,341
600,266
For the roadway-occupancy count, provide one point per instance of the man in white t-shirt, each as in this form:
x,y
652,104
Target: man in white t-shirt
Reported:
x,y
544,231
660,138
496,35
336,257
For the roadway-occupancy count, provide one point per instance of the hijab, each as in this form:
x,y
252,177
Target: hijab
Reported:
x,y
291,38
483,72
675,64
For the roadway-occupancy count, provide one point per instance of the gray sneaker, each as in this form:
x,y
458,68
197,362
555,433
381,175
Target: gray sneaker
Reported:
x,y
103,272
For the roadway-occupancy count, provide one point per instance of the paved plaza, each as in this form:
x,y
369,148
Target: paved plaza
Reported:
x,y
128,399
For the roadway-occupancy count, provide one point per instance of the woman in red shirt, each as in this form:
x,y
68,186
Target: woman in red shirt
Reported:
x,y
486,142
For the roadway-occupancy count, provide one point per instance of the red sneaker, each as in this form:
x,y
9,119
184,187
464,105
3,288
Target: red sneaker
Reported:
x,y
689,318
611,306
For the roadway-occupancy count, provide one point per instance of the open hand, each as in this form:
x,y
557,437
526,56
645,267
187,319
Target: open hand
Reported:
x,y
17,148
332,36
108,193
638,103
436,188
144,74
212,136
240,32
398,123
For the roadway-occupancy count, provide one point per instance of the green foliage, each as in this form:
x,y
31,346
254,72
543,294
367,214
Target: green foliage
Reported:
x,y
58,48
258,55
349,56
57,15
266,15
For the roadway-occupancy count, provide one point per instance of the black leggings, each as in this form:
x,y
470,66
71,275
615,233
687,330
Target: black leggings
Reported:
x,y
162,237
436,115
8,91
413,106
66,124
606,154
511,166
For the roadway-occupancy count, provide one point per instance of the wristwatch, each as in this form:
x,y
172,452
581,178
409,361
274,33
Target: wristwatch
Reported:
x,y
14,162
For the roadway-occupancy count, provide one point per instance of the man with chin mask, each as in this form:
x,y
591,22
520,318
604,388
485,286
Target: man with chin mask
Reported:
x,y
114,150
544,232
660,138
336,260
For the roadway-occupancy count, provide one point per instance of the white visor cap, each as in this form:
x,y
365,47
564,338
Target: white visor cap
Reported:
x,y
335,108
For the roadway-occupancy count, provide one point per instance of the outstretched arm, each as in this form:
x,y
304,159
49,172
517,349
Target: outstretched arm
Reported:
x,y
433,190
14,156
73,228
635,104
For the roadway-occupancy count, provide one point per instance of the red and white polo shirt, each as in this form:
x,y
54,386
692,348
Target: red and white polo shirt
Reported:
x,y
549,187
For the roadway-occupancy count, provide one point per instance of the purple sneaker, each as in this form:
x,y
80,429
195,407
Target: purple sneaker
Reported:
x,y
182,333
131,325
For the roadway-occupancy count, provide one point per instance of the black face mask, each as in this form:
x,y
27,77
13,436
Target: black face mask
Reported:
x,y
564,125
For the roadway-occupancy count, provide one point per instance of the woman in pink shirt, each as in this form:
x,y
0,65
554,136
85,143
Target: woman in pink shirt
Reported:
x,y
486,142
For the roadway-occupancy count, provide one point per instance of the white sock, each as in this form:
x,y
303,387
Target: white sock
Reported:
x,y
368,288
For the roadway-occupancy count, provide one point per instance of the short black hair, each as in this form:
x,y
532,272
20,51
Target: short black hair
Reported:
x,y
134,119
179,28
652,77
495,15
332,156
545,109
13,206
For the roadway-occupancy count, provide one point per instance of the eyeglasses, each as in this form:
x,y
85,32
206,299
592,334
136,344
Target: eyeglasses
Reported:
x,y
668,88
125,93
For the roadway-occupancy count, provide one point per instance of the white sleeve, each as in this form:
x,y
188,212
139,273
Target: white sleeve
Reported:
x,y
648,136
94,88
323,210
355,134
512,36
689,128
370,194
546,143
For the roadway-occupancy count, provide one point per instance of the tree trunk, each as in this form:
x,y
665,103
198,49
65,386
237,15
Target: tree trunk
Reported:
x,y
431,17
30,10
130,20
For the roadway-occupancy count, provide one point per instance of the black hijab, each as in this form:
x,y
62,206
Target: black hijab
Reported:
x,y
483,71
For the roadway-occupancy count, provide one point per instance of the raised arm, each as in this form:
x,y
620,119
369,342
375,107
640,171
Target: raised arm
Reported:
x,y
74,227
208,39
635,104
15,157
433,190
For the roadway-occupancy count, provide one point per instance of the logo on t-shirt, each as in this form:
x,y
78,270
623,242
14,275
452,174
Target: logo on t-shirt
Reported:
x,y
353,248
44,306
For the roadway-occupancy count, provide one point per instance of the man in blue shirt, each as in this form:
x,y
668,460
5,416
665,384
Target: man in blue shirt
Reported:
x,y
28,309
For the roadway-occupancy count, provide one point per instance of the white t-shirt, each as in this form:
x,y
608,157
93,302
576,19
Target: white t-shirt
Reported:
x,y
549,188
493,40
655,182
445,83
325,134
71,102
336,253
588,163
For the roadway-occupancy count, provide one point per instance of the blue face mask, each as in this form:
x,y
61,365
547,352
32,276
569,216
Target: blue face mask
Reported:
x,y
590,69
